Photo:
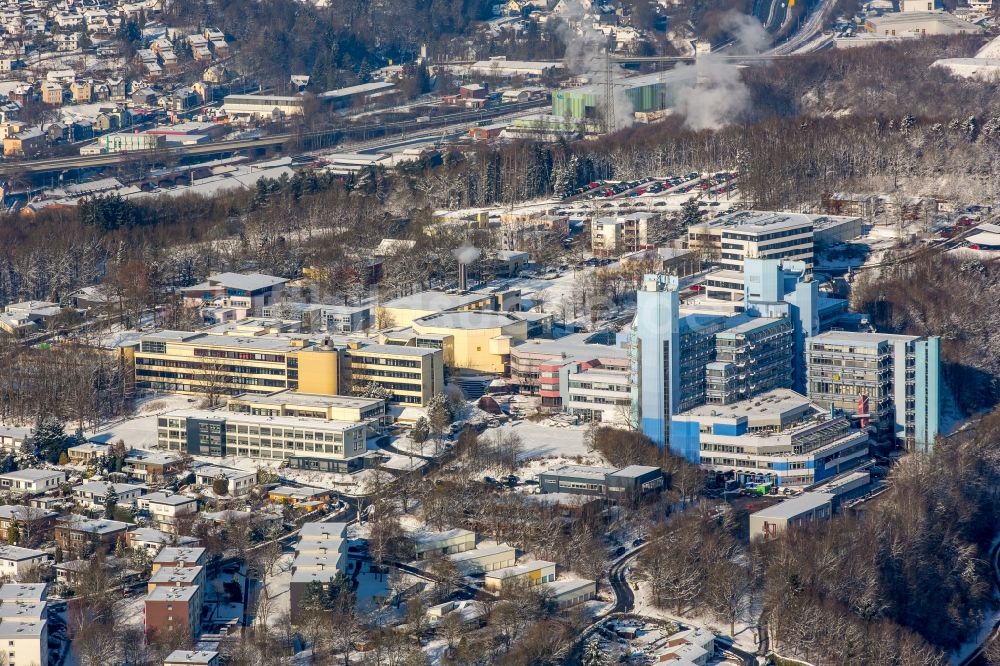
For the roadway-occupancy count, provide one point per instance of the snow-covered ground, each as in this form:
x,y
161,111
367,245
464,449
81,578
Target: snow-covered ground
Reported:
x,y
745,636
139,431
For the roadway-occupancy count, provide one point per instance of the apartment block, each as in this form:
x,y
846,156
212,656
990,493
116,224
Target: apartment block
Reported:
x,y
622,234
170,609
304,443
24,627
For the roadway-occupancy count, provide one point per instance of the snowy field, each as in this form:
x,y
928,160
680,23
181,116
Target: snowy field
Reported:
x,y
140,431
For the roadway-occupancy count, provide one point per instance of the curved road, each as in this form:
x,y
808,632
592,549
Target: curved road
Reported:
x,y
625,602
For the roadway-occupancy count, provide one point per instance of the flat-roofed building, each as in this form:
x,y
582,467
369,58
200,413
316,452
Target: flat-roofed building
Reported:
x,y
238,482
86,452
612,236
174,556
729,239
564,355
307,562
475,341
667,260
263,106
599,394
402,311
893,379
350,409
750,358
807,507
299,589
609,482
307,546
12,438
778,437
152,466
172,609
529,574
484,558
167,510
206,364
251,291
24,624
427,543
152,540
34,524
297,495
95,493
920,24
192,658
412,375
567,593
305,443
177,577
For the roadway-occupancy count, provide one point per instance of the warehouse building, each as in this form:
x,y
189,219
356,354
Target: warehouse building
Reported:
x,y
807,507
920,24
566,593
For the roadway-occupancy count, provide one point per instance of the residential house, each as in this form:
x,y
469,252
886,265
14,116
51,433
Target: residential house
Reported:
x,y
15,562
31,481
167,510
79,536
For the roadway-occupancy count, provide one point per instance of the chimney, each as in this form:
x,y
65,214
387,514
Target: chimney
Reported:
x,y
463,277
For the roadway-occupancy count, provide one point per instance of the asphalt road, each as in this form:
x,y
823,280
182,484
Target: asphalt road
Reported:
x,y
624,597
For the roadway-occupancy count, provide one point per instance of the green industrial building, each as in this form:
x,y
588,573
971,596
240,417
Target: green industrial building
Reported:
x,y
649,92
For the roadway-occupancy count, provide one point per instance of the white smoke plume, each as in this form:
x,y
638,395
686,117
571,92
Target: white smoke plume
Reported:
x,y
466,254
586,52
713,93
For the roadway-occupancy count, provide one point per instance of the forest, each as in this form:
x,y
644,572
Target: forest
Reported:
x,y
901,583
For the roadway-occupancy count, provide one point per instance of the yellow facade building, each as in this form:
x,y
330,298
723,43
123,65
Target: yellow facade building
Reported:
x,y
478,341
225,365
402,311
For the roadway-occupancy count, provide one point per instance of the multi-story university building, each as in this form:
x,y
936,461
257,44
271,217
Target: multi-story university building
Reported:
x,y
206,364
730,239
893,381
750,358
305,443
778,436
